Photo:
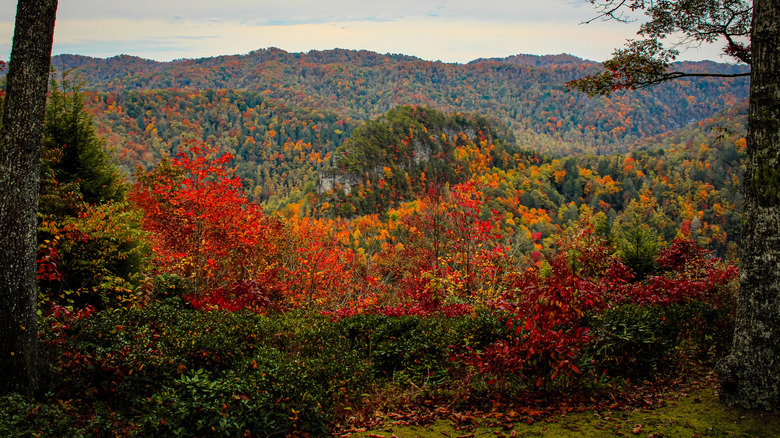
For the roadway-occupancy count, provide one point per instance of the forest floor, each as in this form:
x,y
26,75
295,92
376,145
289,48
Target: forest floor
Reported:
x,y
691,410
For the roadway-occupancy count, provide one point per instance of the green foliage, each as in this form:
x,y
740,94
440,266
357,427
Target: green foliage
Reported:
x,y
91,250
414,346
68,129
638,249
646,62
169,370
632,340
19,417
96,258
198,404
638,341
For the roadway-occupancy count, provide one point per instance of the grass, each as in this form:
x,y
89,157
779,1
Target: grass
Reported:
x,y
691,412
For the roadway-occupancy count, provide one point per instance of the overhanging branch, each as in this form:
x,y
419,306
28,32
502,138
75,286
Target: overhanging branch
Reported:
x,y
677,75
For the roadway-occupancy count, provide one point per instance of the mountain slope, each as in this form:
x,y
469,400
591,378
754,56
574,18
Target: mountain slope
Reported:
x,y
362,85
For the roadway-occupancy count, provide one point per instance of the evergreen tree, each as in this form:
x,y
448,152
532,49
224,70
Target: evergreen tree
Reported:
x,y
638,249
91,249
68,132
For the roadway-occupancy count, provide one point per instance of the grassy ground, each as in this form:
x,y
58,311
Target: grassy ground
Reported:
x,y
693,412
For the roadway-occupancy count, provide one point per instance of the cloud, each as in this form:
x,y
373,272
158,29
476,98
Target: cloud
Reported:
x,y
446,40
447,30
260,12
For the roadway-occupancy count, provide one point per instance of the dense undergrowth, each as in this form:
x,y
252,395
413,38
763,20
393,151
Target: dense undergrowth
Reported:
x,y
167,369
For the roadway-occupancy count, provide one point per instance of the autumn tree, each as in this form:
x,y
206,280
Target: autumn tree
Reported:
x,y
204,227
20,152
473,246
317,269
750,376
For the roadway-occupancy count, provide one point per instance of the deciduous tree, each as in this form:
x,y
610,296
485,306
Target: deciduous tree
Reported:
x,y
205,229
646,62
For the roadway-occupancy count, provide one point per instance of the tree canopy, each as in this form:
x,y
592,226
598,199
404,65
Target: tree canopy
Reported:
x,y
681,23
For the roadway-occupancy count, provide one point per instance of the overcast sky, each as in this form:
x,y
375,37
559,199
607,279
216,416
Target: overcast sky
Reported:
x,y
446,30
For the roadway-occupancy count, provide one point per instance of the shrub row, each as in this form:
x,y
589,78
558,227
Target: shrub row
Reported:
x,y
169,370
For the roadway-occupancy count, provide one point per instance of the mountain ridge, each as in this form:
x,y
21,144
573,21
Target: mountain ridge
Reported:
x,y
364,85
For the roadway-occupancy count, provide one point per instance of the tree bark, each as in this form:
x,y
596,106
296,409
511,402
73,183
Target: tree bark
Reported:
x,y
20,161
750,376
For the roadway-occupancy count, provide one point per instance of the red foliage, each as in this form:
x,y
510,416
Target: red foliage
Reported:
x,y
449,257
548,329
318,271
204,228
682,254
245,294
550,301
687,275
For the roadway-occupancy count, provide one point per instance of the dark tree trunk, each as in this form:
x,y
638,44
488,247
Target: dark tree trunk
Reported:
x,y
20,162
750,376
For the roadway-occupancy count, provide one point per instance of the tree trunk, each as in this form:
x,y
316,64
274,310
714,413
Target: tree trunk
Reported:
x,y
750,376
20,162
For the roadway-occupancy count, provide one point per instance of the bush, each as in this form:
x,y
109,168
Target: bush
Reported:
x,y
171,370
639,341
176,371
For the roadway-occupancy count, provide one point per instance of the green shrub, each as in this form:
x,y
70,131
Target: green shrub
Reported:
x,y
21,418
637,341
170,370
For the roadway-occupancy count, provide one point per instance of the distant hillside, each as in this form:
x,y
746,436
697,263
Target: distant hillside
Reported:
x,y
540,61
285,115
523,91
408,151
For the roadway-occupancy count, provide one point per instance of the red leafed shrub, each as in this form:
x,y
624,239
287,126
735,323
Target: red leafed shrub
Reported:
x,y
252,295
548,326
686,275
683,254
555,303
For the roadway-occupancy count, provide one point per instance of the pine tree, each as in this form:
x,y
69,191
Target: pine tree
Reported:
x,y
68,132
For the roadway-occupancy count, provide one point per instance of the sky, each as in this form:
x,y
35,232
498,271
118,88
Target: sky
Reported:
x,y
435,30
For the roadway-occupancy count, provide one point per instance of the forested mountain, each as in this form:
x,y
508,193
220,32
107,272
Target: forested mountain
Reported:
x,y
278,147
524,92
408,151
283,115
689,180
